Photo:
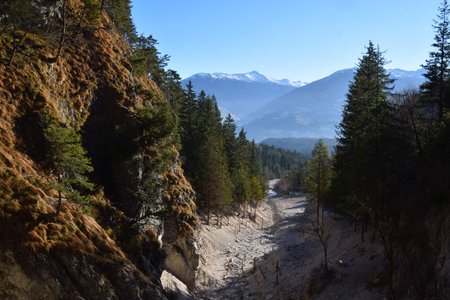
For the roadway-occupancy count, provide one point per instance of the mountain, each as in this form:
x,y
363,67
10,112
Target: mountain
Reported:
x,y
314,110
301,145
241,94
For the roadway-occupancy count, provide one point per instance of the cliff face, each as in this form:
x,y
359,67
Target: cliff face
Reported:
x,y
91,89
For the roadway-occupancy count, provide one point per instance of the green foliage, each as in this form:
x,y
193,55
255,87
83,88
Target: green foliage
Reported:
x,y
230,143
214,169
319,171
214,177
303,145
257,189
92,11
278,162
365,127
20,14
173,91
68,161
435,90
147,61
153,156
223,169
120,13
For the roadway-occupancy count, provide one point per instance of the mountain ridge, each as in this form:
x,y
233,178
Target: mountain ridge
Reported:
x,y
314,110
239,94
253,76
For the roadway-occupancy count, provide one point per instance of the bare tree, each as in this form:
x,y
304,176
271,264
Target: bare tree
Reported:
x,y
317,228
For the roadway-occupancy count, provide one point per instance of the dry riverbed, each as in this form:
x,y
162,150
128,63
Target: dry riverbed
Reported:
x,y
274,257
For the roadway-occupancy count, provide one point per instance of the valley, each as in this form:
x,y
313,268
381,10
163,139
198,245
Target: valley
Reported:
x,y
268,108
242,259
121,178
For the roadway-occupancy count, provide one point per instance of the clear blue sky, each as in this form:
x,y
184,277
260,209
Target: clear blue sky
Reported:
x,y
296,39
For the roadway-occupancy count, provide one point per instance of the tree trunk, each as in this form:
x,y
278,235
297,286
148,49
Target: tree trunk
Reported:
x,y
59,206
209,210
62,37
362,229
218,215
322,213
416,132
15,47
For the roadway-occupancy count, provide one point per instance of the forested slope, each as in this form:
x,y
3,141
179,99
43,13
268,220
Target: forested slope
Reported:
x,y
70,81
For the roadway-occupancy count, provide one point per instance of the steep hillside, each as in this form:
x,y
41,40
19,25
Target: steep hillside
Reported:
x,y
241,94
90,89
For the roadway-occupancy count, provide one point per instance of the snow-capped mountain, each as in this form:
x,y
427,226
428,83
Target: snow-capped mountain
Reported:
x,y
241,94
314,110
253,76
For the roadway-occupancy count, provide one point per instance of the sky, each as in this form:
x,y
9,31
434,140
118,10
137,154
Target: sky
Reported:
x,y
296,39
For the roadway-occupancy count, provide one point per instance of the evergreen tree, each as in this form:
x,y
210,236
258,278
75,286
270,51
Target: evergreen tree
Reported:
x,y
68,161
363,131
188,108
120,13
318,174
214,185
229,137
147,61
367,155
215,189
436,88
187,114
254,162
173,91
19,18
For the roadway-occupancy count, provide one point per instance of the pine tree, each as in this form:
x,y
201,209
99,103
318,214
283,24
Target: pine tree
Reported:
x,y
214,184
187,115
229,138
436,88
120,13
147,61
187,111
173,91
215,181
366,174
318,174
69,163
366,120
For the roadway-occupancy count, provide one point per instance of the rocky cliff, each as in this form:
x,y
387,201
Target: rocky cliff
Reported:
x,y
89,87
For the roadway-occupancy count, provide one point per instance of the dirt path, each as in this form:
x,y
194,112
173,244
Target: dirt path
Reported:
x,y
243,261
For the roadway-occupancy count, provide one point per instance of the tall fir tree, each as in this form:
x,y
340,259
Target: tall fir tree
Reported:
x,y
436,88
214,184
318,174
229,138
69,162
365,123
188,109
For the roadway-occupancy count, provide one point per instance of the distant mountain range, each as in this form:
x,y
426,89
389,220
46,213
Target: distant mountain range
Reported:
x,y
314,110
267,107
241,94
